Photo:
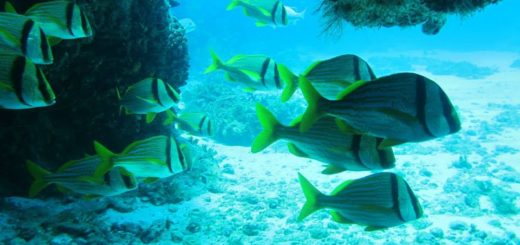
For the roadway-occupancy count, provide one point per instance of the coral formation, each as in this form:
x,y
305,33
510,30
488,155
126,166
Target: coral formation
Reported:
x,y
128,45
376,13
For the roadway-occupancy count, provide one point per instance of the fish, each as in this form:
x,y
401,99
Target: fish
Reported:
x,y
22,84
77,176
326,141
433,24
332,76
61,19
402,107
196,123
23,36
268,12
149,97
377,201
188,25
257,72
155,157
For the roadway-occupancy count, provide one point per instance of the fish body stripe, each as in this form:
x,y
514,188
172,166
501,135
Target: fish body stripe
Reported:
x,y
371,73
155,91
69,15
42,87
447,110
357,75
84,22
421,104
356,143
395,196
128,181
273,12
171,93
209,127
415,202
265,65
17,77
169,154
181,156
284,16
27,27
385,163
44,46
277,77
201,123
107,179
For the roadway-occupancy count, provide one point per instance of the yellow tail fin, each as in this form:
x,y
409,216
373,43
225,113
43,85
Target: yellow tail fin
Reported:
x,y
311,194
38,173
267,136
215,65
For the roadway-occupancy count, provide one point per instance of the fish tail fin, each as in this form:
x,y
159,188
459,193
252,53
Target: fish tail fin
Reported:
x,y
311,194
106,156
38,173
290,80
232,5
118,93
215,65
314,100
269,123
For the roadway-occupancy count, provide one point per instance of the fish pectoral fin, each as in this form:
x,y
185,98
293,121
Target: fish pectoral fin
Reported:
x,y
293,149
331,169
63,189
374,228
53,41
387,143
151,101
6,87
150,180
402,116
249,90
261,24
229,77
337,217
251,74
346,128
150,117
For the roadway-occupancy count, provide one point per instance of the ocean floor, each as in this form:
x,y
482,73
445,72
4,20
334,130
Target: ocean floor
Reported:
x,y
468,184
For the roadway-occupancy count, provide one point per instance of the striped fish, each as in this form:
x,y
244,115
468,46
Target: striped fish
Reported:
x,y
257,72
332,76
78,176
327,142
61,19
149,97
154,157
268,12
377,201
403,107
195,123
22,84
23,36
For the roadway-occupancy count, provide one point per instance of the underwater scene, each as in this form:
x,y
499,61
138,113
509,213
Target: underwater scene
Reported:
x,y
259,122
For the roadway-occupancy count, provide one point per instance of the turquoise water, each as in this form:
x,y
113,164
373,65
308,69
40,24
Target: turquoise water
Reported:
x,y
468,183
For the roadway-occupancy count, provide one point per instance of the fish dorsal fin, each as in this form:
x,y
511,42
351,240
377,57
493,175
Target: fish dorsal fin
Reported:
x,y
331,169
350,89
341,187
336,216
293,149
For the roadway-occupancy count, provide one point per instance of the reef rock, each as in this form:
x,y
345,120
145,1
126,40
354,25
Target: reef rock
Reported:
x,y
133,40
376,13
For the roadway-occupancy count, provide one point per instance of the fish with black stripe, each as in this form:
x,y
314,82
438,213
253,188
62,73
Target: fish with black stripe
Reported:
x,y
403,107
149,97
268,12
78,176
154,157
257,72
22,84
376,201
23,36
326,141
61,19
332,76
196,123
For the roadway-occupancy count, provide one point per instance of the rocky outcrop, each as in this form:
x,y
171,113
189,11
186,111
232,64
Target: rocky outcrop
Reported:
x,y
133,40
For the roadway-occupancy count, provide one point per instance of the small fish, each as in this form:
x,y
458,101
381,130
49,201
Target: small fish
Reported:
x,y
149,97
257,72
332,76
23,36
22,84
154,157
188,25
61,19
195,123
377,201
268,12
77,176
433,25
403,107
327,142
